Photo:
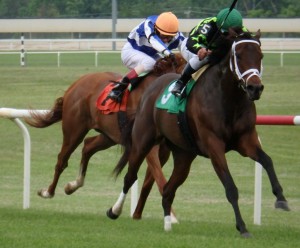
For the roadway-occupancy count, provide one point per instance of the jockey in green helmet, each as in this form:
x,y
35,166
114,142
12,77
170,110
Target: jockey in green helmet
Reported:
x,y
234,19
202,36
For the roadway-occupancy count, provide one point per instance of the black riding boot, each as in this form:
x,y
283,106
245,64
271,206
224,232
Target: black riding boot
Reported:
x,y
117,92
183,80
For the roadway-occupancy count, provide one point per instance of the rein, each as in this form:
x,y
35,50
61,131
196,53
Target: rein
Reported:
x,y
235,68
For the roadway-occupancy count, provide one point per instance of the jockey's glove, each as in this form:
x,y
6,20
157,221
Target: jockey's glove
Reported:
x,y
173,58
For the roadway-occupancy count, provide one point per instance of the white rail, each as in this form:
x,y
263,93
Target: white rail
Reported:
x,y
14,115
108,44
97,53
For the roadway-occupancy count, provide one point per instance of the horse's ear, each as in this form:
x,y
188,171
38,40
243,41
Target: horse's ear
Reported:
x,y
258,34
232,32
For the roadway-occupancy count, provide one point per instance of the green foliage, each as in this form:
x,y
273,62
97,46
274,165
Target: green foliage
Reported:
x,y
256,13
143,8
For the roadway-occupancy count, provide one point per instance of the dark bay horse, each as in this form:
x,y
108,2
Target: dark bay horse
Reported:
x,y
220,116
77,111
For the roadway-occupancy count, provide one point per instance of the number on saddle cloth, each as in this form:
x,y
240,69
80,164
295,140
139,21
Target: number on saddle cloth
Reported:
x,y
170,102
175,104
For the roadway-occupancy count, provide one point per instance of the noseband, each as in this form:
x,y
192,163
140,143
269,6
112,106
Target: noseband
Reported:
x,y
235,68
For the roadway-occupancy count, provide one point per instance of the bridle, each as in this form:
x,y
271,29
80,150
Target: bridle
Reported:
x,y
234,67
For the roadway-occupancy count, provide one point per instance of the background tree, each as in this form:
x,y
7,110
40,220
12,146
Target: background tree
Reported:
x,y
142,8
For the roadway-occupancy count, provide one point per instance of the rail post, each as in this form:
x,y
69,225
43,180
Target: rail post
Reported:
x,y
14,115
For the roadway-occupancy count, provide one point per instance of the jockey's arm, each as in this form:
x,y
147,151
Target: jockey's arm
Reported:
x,y
154,39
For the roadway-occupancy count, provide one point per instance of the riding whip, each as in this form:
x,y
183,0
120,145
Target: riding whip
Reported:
x,y
215,35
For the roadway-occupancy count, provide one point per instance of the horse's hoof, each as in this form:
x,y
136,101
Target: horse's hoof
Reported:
x,y
111,215
282,205
136,216
70,189
44,194
246,235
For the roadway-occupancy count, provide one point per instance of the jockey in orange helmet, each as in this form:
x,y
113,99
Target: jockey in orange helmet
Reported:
x,y
155,37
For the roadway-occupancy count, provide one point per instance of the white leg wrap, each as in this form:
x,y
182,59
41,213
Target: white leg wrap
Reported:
x,y
117,208
74,185
45,194
168,223
174,219
80,181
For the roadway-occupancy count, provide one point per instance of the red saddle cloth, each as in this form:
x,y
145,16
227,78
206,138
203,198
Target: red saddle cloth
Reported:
x,y
107,105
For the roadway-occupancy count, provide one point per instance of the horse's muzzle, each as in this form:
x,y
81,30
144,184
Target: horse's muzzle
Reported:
x,y
254,91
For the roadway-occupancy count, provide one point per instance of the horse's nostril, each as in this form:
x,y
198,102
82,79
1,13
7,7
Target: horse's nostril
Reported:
x,y
250,87
255,88
254,91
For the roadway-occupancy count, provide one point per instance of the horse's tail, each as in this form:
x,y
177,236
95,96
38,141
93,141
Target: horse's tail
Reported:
x,y
126,141
41,120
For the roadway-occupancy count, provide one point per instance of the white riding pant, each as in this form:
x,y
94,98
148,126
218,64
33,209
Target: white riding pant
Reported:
x,y
141,62
192,58
137,60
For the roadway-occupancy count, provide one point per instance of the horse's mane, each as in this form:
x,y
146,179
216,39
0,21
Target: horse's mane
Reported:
x,y
166,64
224,43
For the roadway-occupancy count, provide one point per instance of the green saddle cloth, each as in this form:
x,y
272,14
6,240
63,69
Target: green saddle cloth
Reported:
x,y
171,103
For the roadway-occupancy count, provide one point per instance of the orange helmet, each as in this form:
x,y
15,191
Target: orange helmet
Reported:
x,y
167,24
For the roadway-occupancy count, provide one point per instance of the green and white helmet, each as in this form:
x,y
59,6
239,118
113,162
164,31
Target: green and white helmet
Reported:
x,y
234,19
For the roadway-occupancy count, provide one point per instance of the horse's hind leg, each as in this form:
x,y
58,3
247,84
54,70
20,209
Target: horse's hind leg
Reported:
x,y
164,154
182,164
154,171
72,138
145,191
131,176
91,146
137,153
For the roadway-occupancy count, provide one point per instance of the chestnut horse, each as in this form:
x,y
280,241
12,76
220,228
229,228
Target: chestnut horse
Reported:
x,y
220,116
78,113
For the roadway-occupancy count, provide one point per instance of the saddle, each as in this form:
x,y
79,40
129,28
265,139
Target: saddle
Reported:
x,y
173,104
108,106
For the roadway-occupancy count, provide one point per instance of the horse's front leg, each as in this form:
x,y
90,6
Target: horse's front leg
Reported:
x,y
267,164
91,146
250,146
